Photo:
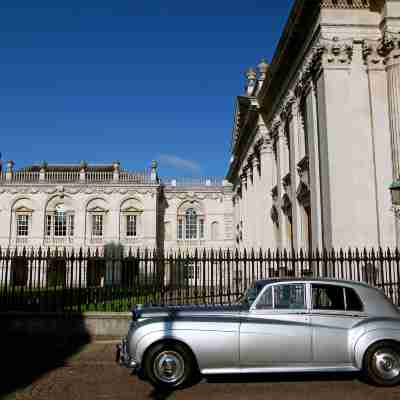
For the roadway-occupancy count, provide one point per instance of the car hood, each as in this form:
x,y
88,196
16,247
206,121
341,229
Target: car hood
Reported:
x,y
140,312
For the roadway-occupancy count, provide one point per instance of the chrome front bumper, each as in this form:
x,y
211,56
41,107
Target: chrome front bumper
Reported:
x,y
123,357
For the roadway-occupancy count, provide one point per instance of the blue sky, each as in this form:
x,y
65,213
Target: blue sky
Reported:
x,y
129,80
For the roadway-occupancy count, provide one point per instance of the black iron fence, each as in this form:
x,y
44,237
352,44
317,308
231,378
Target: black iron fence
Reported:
x,y
69,281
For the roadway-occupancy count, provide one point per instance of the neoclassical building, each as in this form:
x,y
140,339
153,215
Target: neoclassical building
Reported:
x,y
92,206
315,144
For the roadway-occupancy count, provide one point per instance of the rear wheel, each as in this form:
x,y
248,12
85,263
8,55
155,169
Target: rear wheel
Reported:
x,y
382,363
169,365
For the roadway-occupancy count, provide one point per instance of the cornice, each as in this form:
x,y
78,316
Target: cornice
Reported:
x,y
73,190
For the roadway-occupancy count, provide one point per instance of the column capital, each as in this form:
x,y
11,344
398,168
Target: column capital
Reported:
x,y
243,178
265,145
389,48
373,57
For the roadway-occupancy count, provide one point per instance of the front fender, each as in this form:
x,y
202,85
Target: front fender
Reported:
x,y
371,337
212,347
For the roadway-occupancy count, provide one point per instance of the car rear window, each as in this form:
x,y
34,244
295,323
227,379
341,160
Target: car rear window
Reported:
x,y
353,302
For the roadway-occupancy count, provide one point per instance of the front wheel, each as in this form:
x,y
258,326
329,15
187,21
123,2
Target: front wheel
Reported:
x,y
169,365
382,363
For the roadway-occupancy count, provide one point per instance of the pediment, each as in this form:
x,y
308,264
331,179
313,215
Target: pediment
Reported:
x,y
23,209
131,210
97,210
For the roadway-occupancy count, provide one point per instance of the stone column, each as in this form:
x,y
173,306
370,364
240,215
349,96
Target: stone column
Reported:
x,y
283,167
266,184
250,203
256,202
390,48
243,215
296,141
314,166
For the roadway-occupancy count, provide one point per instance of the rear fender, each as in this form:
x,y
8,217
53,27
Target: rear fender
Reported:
x,y
371,337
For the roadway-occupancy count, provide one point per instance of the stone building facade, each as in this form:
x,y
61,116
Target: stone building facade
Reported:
x,y
315,144
92,206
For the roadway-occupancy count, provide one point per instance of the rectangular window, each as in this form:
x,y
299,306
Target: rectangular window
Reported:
x,y
71,225
131,225
97,225
22,225
180,228
201,227
60,224
48,225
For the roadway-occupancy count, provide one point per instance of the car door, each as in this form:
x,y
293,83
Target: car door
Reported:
x,y
276,332
335,310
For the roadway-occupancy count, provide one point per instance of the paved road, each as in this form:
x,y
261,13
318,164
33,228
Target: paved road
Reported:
x,y
93,374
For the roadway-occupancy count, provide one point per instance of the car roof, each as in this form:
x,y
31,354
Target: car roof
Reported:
x,y
263,282
374,300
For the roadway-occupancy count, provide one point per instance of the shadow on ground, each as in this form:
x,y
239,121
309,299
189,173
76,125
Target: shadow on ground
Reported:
x,y
26,355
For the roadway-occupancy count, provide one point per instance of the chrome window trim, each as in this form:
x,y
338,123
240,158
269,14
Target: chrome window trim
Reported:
x,y
283,310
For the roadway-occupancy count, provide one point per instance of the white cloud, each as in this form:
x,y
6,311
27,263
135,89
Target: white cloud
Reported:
x,y
180,163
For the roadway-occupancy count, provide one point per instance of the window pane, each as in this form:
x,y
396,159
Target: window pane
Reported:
x,y
71,225
201,223
289,296
191,224
353,301
60,224
180,228
265,301
48,225
22,225
327,297
131,225
97,225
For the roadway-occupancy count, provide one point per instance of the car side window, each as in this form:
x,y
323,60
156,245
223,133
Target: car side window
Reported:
x,y
289,296
353,302
327,297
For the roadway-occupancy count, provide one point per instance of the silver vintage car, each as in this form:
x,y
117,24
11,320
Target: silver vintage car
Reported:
x,y
280,325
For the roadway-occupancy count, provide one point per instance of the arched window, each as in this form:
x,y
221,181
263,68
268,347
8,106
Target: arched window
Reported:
x,y
60,222
190,223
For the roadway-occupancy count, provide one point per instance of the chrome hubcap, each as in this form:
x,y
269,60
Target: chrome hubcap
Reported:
x,y
387,363
168,367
